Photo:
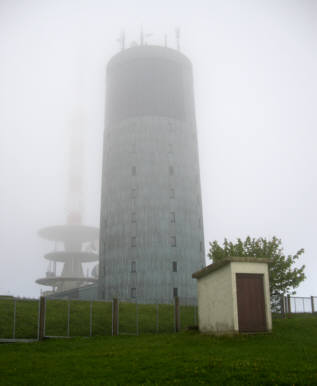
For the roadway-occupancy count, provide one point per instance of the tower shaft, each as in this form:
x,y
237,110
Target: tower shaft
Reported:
x,y
151,237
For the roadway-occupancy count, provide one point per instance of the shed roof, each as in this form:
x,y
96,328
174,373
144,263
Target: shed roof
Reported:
x,y
219,264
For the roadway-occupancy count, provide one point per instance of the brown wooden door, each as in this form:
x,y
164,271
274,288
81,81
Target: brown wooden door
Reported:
x,y
251,304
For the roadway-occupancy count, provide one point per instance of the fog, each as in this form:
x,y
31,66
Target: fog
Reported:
x,y
255,89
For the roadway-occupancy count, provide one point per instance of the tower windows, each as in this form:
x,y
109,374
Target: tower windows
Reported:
x,y
174,266
170,149
133,170
133,193
173,241
201,247
172,217
172,193
171,170
175,292
133,241
133,293
133,266
133,217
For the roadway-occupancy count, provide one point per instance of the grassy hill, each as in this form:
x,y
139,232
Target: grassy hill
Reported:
x,y
287,356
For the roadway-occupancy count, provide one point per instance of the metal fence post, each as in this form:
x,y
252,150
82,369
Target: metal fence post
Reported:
x,y
90,320
176,314
312,304
14,317
68,318
137,317
42,311
157,318
38,319
115,317
289,304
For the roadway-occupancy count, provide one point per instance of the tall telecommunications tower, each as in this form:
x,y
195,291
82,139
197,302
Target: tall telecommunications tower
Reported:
x,y
73,241
151,229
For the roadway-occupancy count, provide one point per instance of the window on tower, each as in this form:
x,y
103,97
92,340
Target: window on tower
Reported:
x,y
174,266
133,217
133,292
175,292
172,193
171,170
133,170
133,266
172,216
173,241
133,241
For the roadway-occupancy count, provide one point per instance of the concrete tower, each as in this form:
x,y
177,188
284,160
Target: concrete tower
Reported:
x,y
151,230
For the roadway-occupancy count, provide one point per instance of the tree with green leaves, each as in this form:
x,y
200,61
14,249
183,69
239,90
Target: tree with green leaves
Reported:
x,y
284,277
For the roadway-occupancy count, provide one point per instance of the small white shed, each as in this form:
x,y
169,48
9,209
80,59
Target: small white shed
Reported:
x,y
234,296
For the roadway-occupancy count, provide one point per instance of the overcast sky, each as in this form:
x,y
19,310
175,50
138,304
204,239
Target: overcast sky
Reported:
x,y
255,89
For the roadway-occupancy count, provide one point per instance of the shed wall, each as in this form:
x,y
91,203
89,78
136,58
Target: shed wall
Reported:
x,y
215,302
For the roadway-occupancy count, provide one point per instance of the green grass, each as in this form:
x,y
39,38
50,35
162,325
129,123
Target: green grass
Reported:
x,y
287,356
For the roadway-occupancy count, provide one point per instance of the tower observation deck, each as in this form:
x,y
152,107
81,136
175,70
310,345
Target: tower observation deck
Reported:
x,y
151,226
72,236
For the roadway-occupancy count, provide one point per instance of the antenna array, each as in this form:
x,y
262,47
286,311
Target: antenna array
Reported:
x,y
143,39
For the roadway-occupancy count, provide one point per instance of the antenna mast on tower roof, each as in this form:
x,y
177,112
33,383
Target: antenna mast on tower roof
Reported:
x,y
177,34
121,40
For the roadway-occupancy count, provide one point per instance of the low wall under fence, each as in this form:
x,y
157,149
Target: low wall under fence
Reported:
x,y
33,319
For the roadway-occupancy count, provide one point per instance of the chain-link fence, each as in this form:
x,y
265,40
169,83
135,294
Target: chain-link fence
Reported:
x,y
49,317
19,319
282,305
33,319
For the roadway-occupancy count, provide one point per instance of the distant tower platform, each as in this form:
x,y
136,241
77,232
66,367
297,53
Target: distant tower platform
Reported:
x,y
73,237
